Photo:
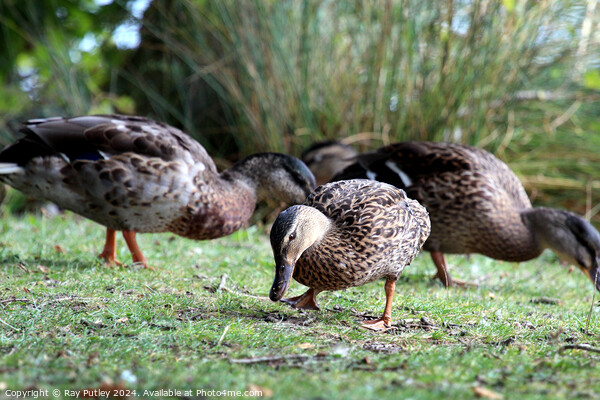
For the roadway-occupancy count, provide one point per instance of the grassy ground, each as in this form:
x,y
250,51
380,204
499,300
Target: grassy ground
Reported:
x,y
198,322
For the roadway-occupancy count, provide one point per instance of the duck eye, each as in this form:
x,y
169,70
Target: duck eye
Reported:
x,y
292,236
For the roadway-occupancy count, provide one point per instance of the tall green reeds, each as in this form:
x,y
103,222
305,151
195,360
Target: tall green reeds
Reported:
x,y
291,72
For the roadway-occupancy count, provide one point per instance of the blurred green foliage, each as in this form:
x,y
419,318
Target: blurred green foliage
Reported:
x,y
519,78
42,67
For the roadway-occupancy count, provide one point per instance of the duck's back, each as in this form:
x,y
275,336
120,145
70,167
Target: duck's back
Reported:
x,y
377,231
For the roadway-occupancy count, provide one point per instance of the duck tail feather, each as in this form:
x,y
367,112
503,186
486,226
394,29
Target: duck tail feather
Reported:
x,y
10,168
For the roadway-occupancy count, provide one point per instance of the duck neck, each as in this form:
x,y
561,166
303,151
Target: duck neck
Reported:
x,y
234,180
568,235
514,238
271,176
542,225
231,207
236,177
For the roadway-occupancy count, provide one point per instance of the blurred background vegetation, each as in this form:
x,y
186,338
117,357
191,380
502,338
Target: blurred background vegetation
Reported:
x,y
518,78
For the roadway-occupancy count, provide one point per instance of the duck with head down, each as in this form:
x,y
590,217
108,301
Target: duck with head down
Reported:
x,y
133,174
478,205
346,234
325,159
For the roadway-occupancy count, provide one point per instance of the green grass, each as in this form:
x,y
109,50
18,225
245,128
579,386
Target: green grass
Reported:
x,y
68,322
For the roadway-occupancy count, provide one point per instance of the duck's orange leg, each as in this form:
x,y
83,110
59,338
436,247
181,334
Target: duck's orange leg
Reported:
x,y
442,269
136,253
443,275
307,301
109,253
385,321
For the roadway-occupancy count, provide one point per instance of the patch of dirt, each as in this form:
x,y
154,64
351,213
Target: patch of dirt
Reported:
x,y
199,314
300,319
546,300
93,325
163,327
412,324
7,350
337,308
385,348
193,314
503,343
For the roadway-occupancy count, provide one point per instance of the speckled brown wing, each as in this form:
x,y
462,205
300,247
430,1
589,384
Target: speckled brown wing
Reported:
x,y
119,134
101,136
378,231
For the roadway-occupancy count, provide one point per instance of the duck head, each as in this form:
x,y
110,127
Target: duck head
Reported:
x,y
294,231
325,159
571,237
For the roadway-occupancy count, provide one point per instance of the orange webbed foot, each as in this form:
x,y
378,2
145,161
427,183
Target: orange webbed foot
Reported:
x,y
385,322
109,253
144,265
453,282
463,284
109,260
136,254
307,301
379,324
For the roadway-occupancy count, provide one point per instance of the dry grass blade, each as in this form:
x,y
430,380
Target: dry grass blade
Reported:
x,y
585,347
9,325
4,301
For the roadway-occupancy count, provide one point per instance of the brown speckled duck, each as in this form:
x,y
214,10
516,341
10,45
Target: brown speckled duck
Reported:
x,y
478,205
346,234
326,159
133,174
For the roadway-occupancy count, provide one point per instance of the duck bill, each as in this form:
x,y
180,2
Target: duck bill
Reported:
x,y
283,275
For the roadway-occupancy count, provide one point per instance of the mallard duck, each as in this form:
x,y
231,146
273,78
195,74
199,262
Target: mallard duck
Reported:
x,y
133,174
346,234
325,159
478,205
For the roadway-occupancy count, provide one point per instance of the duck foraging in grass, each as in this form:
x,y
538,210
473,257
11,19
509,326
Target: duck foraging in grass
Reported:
x,y
478,205
346,234
133,174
